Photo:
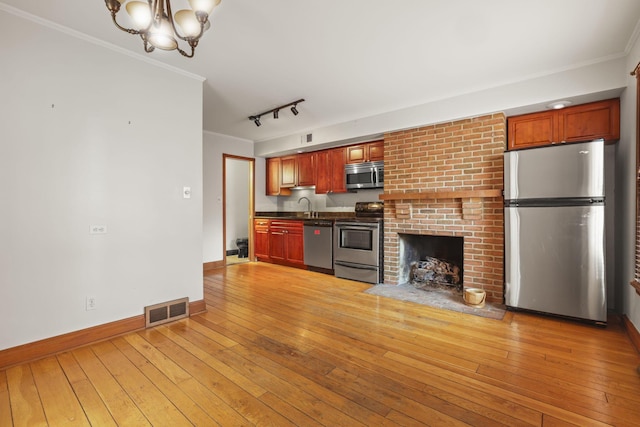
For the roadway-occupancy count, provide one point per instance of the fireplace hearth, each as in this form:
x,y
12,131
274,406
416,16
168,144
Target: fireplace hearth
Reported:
x,y
432,262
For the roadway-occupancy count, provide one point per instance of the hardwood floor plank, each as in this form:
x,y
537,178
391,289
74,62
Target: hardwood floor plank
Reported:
x,y
94,408
26,406
5,402
283,349
151,402
232,395
123,410
59,402
181,400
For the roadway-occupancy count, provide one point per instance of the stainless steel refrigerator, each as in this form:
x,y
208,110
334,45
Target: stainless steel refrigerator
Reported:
x,y
554,213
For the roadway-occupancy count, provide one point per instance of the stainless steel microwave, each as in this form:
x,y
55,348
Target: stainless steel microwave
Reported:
x,y
364,175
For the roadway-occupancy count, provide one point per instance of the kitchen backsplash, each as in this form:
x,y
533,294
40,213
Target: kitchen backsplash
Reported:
x,y
339,202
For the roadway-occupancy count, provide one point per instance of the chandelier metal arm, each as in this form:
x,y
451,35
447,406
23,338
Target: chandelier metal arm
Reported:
x,y
126,30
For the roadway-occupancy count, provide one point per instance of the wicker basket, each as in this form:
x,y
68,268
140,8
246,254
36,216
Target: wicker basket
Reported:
x,y
474,297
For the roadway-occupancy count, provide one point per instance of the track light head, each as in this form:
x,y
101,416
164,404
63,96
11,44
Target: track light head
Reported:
x,y
275,114
294,110
256,120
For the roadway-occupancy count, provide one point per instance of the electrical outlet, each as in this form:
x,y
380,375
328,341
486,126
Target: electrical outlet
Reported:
x,y
98,229
91,303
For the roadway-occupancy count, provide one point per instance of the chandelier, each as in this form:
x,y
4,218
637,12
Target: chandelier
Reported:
x,y
160,28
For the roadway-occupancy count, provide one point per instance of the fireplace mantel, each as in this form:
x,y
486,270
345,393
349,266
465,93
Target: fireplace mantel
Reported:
x,y
434,195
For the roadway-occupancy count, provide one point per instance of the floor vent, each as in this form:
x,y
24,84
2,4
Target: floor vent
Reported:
x,y
166,312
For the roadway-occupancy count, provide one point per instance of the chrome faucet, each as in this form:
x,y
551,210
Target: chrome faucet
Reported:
x,y
308,204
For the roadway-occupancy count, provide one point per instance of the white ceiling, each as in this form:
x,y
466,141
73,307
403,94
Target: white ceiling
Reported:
x,y
356,58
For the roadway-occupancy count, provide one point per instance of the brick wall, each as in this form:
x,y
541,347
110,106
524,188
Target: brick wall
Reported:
x,y
457,156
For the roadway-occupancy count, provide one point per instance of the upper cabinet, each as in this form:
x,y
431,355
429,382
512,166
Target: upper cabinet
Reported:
x,y
330,171
306,169
572,124
369,152
324,169
274,178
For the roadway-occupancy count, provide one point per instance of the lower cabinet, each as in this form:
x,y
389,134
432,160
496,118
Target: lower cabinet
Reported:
x,y
261,239
280,242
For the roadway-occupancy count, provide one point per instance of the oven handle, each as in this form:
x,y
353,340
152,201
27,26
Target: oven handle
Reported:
x,y
356,227
357,266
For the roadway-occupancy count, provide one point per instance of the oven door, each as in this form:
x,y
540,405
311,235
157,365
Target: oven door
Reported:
x,y
357,243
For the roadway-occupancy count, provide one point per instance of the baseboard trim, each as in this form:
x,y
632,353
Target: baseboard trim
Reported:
x,y
197,307
633,333
50,346
207,266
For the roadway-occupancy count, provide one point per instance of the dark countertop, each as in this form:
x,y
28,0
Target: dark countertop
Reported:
x,y
302,216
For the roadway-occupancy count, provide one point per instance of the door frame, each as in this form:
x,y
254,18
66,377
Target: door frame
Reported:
x,y
252,200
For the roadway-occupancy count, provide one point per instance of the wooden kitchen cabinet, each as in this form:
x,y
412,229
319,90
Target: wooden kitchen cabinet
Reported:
x,y
261,239
590,121
286,244
274,176
288,172
330,171
306,163
531,130
572,124
369,152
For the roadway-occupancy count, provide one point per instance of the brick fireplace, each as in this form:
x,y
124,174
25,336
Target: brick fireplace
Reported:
x,y
446,180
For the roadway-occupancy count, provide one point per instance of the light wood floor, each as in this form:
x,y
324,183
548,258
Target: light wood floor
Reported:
x,y
284,347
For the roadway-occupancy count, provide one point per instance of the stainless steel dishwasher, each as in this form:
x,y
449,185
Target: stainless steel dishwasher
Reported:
x,y
318,244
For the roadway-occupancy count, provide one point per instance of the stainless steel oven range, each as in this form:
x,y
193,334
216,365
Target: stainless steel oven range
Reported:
x,y
357,250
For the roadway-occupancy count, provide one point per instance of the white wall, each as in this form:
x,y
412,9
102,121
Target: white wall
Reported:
x,y
625,208
237,200
604,77
88,139
215,145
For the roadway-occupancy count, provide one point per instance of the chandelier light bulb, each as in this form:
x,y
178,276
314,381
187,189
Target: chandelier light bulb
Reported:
x,y
188,22
205,6
140,14
161,36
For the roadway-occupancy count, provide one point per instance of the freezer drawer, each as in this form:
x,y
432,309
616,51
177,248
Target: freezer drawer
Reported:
x,y
555,260
572,170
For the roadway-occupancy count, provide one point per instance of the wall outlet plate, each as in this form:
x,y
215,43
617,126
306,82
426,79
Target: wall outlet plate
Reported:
x,y
98,229
90,303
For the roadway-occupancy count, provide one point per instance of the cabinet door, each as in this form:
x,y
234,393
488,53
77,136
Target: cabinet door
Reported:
x,y
356,153
288,172
261,238
591,121
323,172
277,246
295,245
376,151
338,158
531,130
306,169
273,177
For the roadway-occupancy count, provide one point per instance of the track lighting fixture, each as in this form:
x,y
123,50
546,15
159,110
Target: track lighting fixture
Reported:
x,y
256,117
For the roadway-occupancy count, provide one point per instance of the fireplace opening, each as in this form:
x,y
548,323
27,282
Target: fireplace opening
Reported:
x,y
431,262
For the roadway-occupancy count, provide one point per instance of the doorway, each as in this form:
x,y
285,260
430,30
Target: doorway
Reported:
x,y
238,208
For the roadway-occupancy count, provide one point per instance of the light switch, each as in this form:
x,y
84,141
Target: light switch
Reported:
x,y
186,192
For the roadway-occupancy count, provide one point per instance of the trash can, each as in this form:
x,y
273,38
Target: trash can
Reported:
x,y
243,247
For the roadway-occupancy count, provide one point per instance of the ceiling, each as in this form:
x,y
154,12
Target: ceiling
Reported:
x,y
357,58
